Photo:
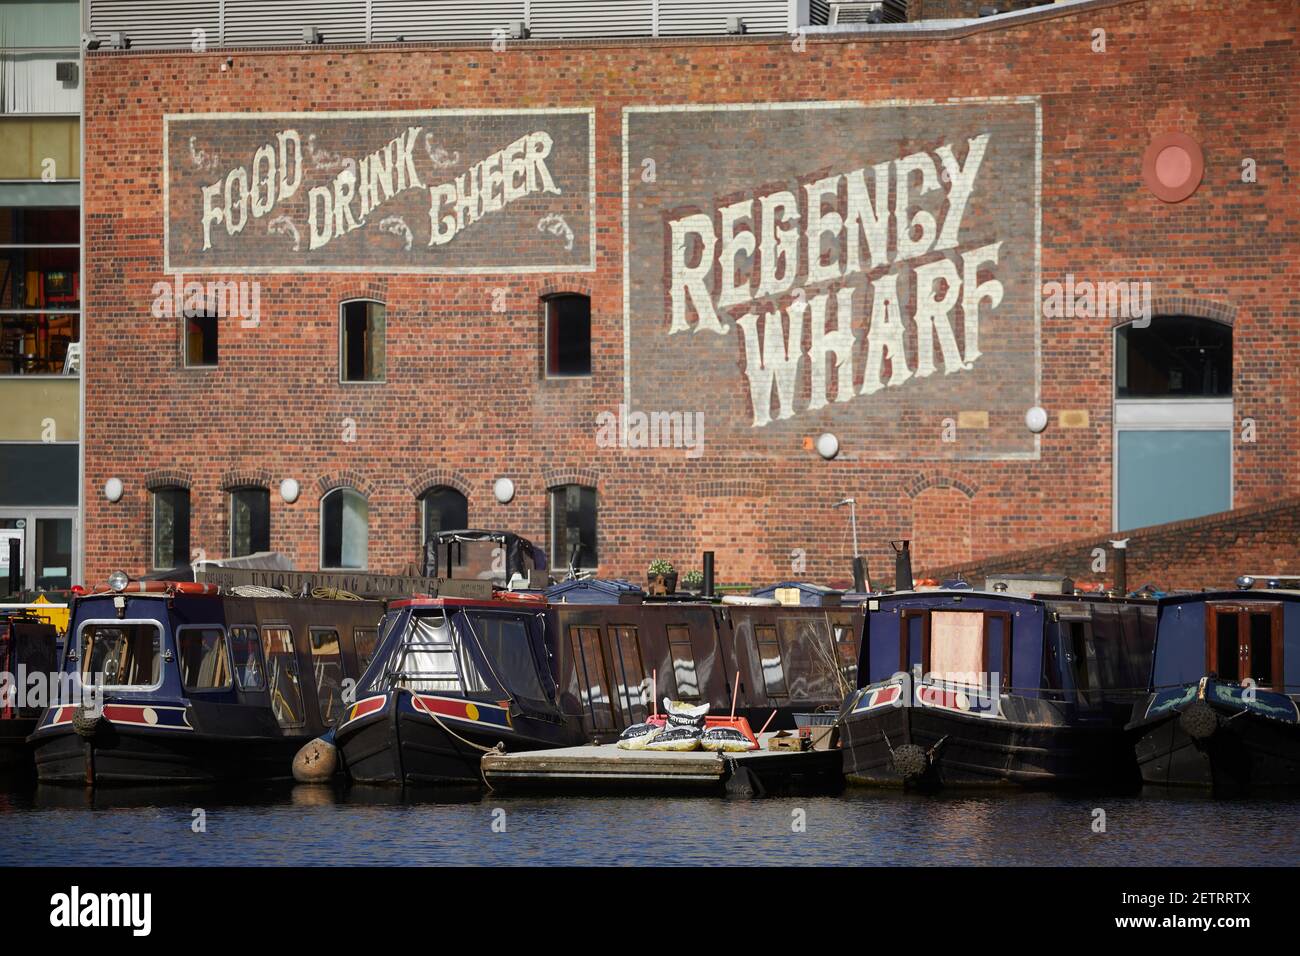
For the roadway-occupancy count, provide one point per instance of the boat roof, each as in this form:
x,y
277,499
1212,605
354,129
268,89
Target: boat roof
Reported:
x,y
424,601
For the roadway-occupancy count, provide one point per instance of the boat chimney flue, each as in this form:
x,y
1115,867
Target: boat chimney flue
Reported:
x,y
902,564
859,574
1121,565
707,567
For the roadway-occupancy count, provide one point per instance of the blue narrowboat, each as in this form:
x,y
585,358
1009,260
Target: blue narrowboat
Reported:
x,y
968,688
28,658
452,679
1221,712
195,686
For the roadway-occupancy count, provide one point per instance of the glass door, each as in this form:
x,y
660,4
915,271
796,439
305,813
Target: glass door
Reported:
x,y
46,557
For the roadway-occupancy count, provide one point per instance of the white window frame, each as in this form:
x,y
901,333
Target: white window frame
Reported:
x,y
30,515
1164,414
79,646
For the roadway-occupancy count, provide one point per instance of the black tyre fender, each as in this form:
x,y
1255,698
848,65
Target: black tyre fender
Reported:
x,y
1199,720
909,761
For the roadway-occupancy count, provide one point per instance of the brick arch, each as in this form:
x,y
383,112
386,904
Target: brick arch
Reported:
x,y
554,285
245,479
436,477
168,478
554,477
1195,306
923,481
345,479
375,288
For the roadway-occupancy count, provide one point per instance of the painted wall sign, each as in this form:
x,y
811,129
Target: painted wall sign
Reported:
x,y
869,270
452,191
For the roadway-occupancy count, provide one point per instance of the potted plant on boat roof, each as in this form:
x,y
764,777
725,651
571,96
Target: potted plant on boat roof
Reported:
x,y
662,576
693,580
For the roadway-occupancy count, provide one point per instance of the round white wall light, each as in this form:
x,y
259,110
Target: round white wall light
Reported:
x,y
503,489
1036,419
289,490
113,489
828,446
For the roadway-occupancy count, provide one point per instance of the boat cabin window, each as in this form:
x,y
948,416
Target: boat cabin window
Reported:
x,y
1244,642
203,660
246,658
435,659
506,644
845,638
683,655
963,647
769,656
590,674
812,669
282,677
126,654
327,669
633,688
365,640
1082,651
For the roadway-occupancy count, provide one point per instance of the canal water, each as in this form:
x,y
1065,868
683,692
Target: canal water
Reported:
x,y
356,826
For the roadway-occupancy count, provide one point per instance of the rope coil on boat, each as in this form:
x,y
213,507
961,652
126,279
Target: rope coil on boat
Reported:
x,y
85,723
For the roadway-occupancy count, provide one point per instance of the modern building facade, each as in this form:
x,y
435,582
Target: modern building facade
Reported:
x,y
356,271
40,294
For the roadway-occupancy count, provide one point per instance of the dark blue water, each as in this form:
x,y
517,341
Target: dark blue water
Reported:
x,y
320,826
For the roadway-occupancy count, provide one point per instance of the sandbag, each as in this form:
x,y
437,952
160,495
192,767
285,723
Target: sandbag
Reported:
x,y
726,739
676,738
681,714
638,736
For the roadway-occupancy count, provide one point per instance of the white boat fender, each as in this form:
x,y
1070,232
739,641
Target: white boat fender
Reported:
x,y
677,739
638,736
316,762
725,740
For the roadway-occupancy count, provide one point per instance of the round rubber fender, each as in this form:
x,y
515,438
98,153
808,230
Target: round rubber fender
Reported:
x,y
1199,721
316,762
85,723
909,761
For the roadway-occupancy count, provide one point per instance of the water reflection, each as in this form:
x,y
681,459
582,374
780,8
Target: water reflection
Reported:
x,y
339,824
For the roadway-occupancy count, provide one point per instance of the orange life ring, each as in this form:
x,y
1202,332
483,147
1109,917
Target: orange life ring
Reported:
x,y
520,596
161,587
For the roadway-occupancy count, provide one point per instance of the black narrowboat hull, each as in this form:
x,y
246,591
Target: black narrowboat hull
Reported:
x,y
931,748
15,752
119,755
1231,751
427,740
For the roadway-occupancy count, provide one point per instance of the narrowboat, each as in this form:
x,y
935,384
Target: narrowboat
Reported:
x,y
452,679
1221,712
969,688
28,659
195,686
613,661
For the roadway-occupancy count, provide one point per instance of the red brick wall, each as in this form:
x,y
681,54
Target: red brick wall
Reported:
x,y
1207,552
464,399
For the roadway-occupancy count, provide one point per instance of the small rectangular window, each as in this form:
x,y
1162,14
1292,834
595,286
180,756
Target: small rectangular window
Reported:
x,y
1227,645
769,656
327,670
282,676
203,660
683,654
365,640
250,521
201,340
246,658
568,336
632,687
171,528
121,655
362,342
